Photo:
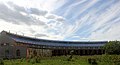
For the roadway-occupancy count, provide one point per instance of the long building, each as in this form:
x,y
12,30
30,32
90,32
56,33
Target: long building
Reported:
x,y
18,46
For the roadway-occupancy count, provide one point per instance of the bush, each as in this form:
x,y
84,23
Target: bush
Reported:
x,y
34,60
92,61
117,63
37,59
1,62
112,47
111,59
22,59
89,60
70,58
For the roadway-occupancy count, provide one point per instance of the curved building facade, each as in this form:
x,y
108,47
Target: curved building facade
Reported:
x,y
17,46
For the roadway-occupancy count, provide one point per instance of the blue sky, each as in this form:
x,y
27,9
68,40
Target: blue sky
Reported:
x,y
69,20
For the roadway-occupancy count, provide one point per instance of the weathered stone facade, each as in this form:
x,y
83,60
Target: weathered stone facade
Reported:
x,y
12,49
32,52
17,46
9,49
12,52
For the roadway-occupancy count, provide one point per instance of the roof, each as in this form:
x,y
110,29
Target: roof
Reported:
x,y
30,40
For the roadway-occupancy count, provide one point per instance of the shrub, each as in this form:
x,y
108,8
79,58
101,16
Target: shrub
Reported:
x,y
71,55
117,63
34,60
1,62
22,59
28,60
70,58
89,60
37,59
112,47
92,61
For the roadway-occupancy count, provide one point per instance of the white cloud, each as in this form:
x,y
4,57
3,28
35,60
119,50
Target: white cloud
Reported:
x,y
98,23
105,27
48,5
82,8
111,34
69,8
71,29
36,18
61,19
50,16
23,13
106,16
26,30
32,29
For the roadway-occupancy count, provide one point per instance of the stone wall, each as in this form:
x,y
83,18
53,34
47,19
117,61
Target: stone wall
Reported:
x,y
11,52
32,52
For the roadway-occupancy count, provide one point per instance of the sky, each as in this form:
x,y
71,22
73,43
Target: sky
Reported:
x,y
67,20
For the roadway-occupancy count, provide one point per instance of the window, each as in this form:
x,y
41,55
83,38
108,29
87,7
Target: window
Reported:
x,y
7,52
2,44
18,52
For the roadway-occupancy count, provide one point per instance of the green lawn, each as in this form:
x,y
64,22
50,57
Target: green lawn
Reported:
x,y
63,60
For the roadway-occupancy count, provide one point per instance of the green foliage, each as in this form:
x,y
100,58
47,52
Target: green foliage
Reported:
x,y
22,59
117,63
89,60
1,62
71,55
113,47
34,60
37,59
92,61
70,58
62,60
108,59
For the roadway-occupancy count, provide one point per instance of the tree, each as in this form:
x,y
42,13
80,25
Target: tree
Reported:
x,y
112,47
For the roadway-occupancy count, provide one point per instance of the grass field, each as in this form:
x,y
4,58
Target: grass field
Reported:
x,y
63,60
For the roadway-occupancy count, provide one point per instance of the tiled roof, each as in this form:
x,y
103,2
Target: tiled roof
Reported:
x,y
29,40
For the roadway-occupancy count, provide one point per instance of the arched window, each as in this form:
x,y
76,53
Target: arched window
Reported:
x,y
17,52
6,52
